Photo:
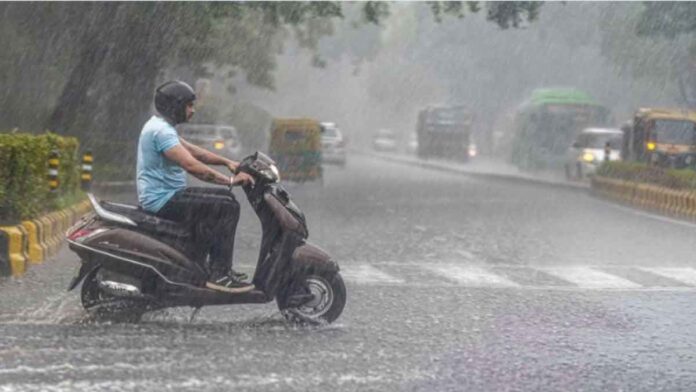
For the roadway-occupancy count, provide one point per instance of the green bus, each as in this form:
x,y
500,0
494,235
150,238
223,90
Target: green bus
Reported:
x,y
548,122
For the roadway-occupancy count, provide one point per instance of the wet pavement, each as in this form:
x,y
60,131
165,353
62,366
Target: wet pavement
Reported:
x,y
488,167
454,283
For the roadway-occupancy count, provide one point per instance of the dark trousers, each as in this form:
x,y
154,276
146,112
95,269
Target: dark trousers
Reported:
x,y
212,215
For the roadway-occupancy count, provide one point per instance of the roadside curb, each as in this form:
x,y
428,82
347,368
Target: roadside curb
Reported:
x,y
480,174
647,197
36,240
640,196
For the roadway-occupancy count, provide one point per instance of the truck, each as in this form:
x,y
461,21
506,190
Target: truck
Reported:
x,y
444,132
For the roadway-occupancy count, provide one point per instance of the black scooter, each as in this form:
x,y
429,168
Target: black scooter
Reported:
x,y
134,262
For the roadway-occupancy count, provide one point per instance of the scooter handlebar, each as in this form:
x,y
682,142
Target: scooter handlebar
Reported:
x,y
240,184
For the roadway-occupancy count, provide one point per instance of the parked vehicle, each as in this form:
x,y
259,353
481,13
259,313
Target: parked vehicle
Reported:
x,y
296,147
384,140
548,123
133,261
221,139
665,137
592,147
333,144
444,132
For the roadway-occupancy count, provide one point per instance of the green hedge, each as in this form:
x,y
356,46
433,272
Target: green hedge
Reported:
x,y
641,172
24,190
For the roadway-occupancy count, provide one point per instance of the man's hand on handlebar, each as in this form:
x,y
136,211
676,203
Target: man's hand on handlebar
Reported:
x,y
242,179
232,165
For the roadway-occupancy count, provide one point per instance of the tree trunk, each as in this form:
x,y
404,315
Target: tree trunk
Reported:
x,y
74,96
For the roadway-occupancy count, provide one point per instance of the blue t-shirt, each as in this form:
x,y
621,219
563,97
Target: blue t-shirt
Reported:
x,y
158,178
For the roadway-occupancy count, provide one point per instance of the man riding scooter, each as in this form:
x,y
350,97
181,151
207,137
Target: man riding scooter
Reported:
x,y
211,214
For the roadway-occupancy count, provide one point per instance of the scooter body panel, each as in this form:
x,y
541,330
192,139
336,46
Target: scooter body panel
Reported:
x,y
132,253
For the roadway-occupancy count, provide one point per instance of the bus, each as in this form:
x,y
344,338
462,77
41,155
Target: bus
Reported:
x,y
547,124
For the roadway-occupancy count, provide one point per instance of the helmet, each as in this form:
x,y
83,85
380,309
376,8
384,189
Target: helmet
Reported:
x,y
171,99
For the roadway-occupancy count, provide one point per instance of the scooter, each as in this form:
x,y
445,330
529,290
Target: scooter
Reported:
x,y
134,262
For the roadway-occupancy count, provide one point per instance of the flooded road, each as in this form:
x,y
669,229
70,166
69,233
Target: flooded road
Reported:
x,y
454,283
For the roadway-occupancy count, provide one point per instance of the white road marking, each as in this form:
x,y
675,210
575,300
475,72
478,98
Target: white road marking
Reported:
x,y
590,279
470,276
367,274
575,278
683,275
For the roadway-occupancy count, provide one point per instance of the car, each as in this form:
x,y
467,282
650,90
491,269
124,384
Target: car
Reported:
x,y
473,150
384,140
412,144
221,139
333,144
590,149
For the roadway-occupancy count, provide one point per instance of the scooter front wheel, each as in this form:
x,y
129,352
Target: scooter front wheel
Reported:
x,y
317,298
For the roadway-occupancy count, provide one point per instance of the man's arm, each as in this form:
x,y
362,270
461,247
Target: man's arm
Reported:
x,y
188,162
206,156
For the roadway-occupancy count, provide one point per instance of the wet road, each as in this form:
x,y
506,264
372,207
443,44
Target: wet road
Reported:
x,y
454,284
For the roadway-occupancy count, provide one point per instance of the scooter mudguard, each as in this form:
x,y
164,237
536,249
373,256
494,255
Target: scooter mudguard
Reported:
x,y
309,257
85,269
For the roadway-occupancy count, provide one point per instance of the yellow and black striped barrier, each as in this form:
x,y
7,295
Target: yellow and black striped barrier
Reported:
x,y
37,240
53,165
649,197
86,175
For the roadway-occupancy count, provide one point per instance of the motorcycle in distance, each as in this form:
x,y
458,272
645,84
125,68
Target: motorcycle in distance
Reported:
x,y
134,262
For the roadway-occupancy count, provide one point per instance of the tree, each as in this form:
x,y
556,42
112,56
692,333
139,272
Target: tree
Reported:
x,y
668,19
102,60
671,20
655,40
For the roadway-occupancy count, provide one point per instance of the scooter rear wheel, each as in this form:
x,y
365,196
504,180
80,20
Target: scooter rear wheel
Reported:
x,y
328,299
106,307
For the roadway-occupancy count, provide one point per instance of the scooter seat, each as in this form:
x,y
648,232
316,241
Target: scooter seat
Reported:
x,y
149,222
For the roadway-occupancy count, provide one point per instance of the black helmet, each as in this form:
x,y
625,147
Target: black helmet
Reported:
x,y
171,99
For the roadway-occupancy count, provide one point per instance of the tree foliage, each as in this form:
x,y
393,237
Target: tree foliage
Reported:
x,y
89,69
24,189
656,41
667,19
512,13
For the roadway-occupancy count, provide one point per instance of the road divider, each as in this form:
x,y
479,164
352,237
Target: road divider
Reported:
x,y
36,240
648,197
